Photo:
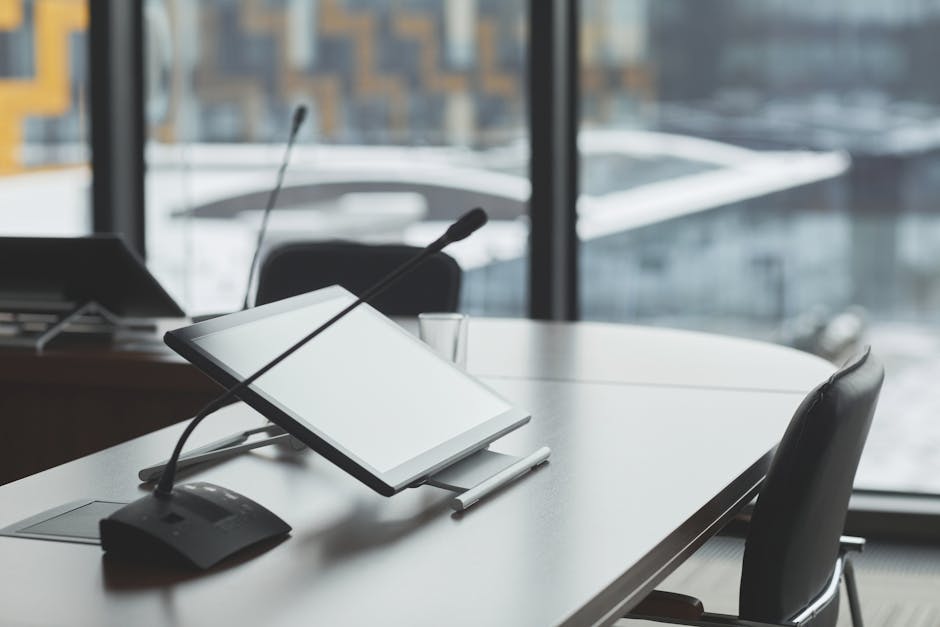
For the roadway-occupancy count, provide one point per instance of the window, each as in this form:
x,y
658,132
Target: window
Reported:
x,y
44,174
771,170
417,113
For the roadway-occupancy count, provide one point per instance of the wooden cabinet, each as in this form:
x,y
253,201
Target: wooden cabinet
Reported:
x,y
72,401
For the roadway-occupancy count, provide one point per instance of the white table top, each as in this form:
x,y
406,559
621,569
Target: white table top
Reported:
x,y
657,436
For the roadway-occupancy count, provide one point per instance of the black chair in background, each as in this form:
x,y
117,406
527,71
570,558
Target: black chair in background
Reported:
x,y
795,556
297,268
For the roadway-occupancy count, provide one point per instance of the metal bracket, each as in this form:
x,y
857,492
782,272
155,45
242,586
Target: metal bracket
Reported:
x,y
226,447
91,308
484,472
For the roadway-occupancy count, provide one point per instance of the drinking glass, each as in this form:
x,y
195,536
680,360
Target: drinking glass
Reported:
x,y
446,333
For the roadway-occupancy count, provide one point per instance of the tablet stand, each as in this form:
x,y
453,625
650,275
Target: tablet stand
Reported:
x,y
226,447
472,478
90,313
89,308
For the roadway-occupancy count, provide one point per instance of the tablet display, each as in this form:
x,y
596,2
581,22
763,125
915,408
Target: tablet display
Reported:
x,y
364,391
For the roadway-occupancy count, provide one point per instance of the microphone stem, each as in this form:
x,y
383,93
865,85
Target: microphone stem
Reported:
x,y
167,478
272,200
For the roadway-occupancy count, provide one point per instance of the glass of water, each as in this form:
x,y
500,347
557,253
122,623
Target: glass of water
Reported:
x,y
446,333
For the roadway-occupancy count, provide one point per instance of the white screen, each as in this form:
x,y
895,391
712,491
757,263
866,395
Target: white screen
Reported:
x,y
363,385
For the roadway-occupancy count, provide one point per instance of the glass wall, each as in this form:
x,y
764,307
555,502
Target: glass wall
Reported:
x,y
416,113
772,170
45,177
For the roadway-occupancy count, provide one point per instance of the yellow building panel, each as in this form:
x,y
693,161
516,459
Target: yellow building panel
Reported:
x,y
11,14
46,93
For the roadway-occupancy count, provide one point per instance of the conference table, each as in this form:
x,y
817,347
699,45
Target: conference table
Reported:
x,y
658,438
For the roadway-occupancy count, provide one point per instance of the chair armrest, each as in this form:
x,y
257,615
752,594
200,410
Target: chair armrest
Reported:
x,y
669,605
851,543
681,609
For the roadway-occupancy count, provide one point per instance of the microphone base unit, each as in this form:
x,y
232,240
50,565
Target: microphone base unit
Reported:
x,y
484,472
197,524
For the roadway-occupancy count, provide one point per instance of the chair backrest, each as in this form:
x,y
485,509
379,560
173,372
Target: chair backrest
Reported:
x,y
297,268
793,539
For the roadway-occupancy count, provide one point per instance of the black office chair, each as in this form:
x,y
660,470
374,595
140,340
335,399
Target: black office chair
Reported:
x,y
794,555
297,268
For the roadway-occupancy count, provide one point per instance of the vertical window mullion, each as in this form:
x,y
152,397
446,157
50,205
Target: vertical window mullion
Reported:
x,y
117,119
553,100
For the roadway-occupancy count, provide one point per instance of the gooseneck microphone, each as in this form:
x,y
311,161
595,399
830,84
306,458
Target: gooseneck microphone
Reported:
x,y
142,526
300,114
